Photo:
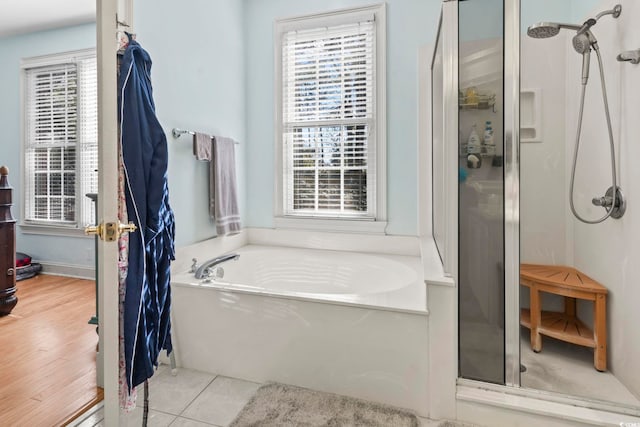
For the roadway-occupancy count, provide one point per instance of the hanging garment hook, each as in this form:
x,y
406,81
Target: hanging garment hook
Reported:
x,y
121,23
632,56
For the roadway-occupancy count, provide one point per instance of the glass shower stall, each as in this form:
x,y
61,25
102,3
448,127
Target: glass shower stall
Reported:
x,y
480,152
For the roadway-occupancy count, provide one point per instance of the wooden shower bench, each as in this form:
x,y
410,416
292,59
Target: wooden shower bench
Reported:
x,y
570,283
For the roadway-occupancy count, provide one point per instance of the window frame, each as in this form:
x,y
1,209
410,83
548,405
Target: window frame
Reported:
x,y
378,221
28,226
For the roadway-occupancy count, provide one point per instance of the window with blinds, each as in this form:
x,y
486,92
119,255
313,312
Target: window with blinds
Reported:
x,y
329,120
61,142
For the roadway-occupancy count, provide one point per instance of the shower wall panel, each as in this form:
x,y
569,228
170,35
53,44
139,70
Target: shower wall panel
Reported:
x,y
610,252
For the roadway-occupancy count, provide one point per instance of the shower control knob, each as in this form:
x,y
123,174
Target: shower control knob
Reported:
x,y
602,201
616,204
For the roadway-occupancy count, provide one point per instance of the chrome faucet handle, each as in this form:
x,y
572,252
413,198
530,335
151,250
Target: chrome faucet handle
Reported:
x,y
194,266
209,276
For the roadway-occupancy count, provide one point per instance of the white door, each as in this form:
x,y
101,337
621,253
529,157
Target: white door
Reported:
x,y
107,13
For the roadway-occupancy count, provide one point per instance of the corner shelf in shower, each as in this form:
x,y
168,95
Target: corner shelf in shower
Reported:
x,y
479,102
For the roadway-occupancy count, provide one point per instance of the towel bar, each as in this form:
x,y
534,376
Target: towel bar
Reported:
x,y
177,133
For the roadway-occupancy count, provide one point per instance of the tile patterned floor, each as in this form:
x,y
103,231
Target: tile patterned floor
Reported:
x,y
192,399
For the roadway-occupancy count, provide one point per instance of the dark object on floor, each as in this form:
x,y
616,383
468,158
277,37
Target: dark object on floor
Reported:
x,y
22,260
28,271
523,368
280,405
8,298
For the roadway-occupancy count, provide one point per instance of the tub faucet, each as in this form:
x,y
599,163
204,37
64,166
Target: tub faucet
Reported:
x,y
203,270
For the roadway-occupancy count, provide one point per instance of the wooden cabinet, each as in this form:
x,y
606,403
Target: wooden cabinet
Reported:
x,y
8,298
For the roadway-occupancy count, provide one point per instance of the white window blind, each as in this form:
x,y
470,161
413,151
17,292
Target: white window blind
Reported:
x,y
328,120
61,155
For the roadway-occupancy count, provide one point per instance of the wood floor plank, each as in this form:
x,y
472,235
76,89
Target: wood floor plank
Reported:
x,y
48,374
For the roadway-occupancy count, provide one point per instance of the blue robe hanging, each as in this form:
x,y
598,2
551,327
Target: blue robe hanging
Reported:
x,y
151,248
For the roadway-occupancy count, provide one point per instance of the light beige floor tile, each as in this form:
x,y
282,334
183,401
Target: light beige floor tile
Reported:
x,y
185,422
172,394
221,401
425,422
134,419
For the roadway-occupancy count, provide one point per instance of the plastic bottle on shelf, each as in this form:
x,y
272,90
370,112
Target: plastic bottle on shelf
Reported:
x,y
474,148
488,144
473,143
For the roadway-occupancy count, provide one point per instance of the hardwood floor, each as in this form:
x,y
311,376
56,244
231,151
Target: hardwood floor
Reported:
x,y
48,352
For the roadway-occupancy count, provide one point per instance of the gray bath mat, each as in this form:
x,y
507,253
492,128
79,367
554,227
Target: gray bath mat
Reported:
x,y
280,405
456,424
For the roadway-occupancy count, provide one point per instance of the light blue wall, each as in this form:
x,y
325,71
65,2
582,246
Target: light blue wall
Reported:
x,y
213,71
480,19
197,48
583,9
533,11
410,23
66,250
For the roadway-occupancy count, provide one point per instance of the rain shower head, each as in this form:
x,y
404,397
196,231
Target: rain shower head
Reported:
x,y
543,30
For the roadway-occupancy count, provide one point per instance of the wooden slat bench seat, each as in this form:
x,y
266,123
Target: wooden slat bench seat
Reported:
x,y
572,284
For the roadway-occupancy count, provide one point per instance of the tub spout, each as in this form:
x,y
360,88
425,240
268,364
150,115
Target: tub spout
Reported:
x,y
201,272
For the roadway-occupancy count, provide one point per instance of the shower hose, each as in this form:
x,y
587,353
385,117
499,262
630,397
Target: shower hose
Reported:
x,y
611,145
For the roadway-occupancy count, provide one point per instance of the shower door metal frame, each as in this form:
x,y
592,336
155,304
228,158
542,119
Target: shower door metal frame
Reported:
x,y
512,191
448,30
511,147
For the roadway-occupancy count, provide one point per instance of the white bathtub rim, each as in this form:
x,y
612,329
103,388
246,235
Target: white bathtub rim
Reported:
x,y
347,242
220,287
411,298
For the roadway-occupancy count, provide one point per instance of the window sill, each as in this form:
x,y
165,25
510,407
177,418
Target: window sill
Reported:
x,y
335,225
52,230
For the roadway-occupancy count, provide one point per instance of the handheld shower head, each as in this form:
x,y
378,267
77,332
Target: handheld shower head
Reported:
x,y
582,43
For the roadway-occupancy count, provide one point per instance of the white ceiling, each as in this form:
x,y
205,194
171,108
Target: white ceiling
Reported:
x,y
25,16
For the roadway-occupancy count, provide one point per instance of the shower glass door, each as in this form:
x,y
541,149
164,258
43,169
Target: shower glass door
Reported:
x,y
481,221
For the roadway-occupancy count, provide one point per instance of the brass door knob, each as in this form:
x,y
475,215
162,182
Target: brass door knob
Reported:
x,y
110,231
127,228
94,230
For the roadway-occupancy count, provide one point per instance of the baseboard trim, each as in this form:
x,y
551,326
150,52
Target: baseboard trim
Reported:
x,y
68,270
